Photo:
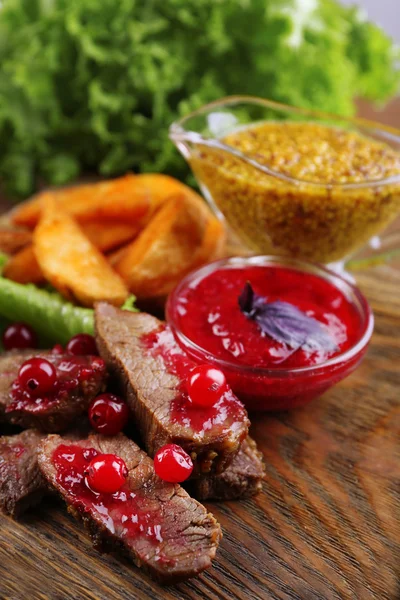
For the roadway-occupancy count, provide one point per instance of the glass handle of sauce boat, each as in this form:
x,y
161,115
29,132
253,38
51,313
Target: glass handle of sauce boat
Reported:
x,y
382,249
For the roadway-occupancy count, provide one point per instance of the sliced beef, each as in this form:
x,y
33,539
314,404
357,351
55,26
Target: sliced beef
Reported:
x,y
142,355
80,378
241,479
154,523
10,363
21,483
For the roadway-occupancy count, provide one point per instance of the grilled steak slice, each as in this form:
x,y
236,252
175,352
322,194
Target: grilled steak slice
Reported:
x,y
141,353
21,483
10,363
243,477
155,523
80,378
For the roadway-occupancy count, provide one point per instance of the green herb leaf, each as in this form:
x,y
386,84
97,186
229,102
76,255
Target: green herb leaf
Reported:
x,y
285,323
129,304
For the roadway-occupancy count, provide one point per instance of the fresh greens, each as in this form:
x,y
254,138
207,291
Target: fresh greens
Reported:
x,y
52,317
129,304
92,85
3,260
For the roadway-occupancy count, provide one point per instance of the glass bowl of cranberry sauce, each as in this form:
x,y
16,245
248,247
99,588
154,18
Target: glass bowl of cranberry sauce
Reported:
x,y
282,330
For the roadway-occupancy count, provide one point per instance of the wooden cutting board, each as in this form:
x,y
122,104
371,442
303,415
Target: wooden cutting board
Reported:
x,y
325,527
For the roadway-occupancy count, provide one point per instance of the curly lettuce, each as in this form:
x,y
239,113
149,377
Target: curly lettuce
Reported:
x,y
89,85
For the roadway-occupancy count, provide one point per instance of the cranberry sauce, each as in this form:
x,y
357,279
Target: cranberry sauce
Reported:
x,y
227,413
207,313
76,375
125,513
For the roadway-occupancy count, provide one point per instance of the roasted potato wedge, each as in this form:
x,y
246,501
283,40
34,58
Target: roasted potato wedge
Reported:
x,y
12,240
110,236
23,267
125,199
71,263
163,187
182,235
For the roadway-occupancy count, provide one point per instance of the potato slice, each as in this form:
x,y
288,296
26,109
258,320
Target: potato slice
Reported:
x,y
129,198
213,244
110,236
71,263
163,187
23,267
124,199
182,235
12,240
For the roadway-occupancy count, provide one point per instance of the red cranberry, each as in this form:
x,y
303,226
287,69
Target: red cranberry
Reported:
x,y
18,336
106,473
37,376
82,344
57,349
108,414
205,385
173,464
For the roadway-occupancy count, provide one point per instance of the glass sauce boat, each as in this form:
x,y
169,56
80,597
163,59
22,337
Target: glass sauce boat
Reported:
x,y
273,212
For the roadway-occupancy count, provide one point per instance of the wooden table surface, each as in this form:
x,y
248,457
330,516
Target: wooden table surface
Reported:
x,y
325,527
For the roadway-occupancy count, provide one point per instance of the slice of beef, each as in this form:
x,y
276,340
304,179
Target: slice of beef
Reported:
x,y
153,522
10,363
21,482
80,379
141,353
243,477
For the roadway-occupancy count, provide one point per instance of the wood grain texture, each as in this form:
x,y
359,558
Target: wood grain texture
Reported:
x,y
325,527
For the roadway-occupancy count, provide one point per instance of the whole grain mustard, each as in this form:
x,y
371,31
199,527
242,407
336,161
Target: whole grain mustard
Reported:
x,y
303,209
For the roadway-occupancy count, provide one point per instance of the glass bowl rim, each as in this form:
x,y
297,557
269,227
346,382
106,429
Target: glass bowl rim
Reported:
x,y
363,308
179,134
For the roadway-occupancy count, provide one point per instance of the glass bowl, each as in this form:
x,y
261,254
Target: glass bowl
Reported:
x,y
269,389
273,212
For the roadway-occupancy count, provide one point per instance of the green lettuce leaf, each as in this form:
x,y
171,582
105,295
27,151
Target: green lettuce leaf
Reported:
x,y
92,86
